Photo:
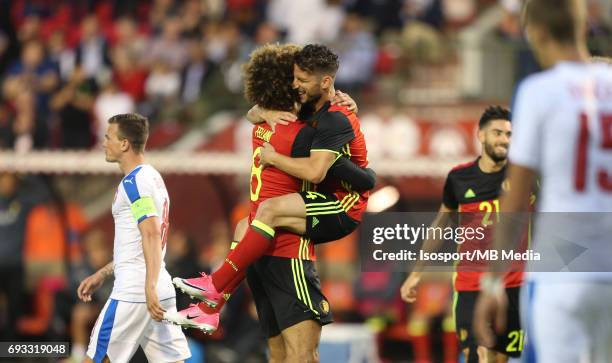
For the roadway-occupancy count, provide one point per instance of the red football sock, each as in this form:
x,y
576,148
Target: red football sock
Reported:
x,y
228,291
255,243
422,348
449,341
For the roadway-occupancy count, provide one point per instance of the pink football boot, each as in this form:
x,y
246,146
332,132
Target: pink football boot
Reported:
x,y
200,288
194,317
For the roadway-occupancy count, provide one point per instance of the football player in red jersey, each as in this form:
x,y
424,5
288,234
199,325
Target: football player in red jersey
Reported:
x,y
472,189
284,282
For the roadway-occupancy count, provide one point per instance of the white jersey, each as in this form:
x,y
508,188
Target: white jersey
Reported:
x,y
562,129
138,188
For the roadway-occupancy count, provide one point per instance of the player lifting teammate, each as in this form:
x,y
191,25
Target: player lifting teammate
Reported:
x,y
284,283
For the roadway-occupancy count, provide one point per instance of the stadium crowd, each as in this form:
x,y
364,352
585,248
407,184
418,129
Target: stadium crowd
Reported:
x,y
67,66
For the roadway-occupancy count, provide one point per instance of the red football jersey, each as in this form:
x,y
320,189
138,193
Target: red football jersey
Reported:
x,y
292,140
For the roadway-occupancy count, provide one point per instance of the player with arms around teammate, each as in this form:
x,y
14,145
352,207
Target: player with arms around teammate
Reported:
x,y
472,189
329,214
563,133
285,286
142,290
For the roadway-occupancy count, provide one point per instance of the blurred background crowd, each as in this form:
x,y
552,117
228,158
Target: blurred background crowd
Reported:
x,y
421,70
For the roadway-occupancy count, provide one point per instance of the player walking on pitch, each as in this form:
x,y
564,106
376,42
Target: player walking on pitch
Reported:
x,y
142,290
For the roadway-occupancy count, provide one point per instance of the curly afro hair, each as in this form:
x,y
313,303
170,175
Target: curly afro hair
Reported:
x,y
268,77
317,58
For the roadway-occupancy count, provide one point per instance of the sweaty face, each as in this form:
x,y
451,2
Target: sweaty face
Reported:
x,y
497,139
112,143
307,85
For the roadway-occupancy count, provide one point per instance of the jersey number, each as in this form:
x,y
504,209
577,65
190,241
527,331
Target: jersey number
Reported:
x,y
604,180
489,207
256,170
165,225
517,339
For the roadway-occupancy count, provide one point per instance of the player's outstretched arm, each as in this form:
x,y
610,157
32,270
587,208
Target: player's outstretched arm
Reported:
x,y
152,248
257,115
313,168
360,179
408,289
93,282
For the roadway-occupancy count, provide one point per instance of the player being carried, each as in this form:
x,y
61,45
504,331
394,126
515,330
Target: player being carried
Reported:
x,y
284,282
140,211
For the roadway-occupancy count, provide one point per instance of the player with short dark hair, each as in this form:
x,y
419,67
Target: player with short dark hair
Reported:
x,y
133,128
472,189
140,211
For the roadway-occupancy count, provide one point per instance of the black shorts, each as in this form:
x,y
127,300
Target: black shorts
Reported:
x,y
509,343
286,291
326,219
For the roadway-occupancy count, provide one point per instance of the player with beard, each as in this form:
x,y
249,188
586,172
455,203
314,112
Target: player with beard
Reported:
x,y
472,189
283,278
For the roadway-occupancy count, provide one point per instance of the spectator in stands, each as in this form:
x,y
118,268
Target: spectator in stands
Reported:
x,y
130,40
74,105
195,80
24,128
357,51
425,11
307,21
92,53
162,89
600,26
160,10
111,101
266,33
215,40
196,73
7,135
4,44
169,48
30,27
386,15
62,57
191,16
128,74
32,72
162,83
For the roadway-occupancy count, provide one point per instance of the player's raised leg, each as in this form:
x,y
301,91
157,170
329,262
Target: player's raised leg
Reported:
x,y
201,316
287,211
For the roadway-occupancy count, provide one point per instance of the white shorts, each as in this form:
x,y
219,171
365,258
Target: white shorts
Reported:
x,y
123,326
567,322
